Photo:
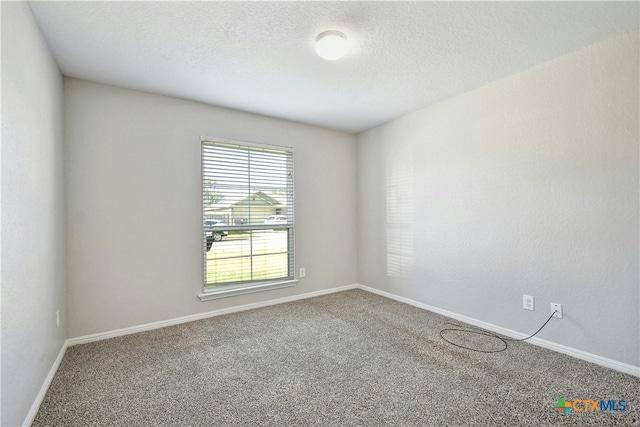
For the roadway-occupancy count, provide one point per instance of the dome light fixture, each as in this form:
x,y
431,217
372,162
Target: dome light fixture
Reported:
x,y
331,45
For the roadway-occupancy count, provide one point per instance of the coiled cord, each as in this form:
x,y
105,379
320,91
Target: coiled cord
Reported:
x,y
478,331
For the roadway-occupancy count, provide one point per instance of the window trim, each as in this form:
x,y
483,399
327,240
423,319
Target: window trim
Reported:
x,y
241,288
246,288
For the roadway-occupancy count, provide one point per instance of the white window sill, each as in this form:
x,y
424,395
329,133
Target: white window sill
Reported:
x,y
226,291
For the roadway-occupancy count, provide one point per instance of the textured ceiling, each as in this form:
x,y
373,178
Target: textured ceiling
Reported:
x,y
259,56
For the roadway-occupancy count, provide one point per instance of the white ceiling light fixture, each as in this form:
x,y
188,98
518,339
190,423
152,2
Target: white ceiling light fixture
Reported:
x,y
331,45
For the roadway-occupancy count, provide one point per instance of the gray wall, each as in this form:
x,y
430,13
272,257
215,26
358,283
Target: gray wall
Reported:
x,y
33,251
134,215
528,185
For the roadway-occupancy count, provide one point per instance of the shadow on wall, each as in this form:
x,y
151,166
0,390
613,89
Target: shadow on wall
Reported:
x,y
400,217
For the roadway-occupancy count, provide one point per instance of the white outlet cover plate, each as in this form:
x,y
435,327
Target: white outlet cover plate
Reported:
x,y
558,308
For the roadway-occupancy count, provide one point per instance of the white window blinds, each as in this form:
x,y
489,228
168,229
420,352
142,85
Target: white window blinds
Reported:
x,y
248,218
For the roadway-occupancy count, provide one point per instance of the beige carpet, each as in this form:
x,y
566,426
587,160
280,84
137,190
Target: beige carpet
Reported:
x,y
350,358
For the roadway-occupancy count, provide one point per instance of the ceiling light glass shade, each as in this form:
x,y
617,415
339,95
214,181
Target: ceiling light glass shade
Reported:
x,y
331,45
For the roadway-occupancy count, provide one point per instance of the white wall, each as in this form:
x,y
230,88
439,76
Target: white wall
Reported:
x,y
528,185
33,250
134,218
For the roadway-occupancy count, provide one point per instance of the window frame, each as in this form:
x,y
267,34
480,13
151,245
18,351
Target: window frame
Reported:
x,y
239,288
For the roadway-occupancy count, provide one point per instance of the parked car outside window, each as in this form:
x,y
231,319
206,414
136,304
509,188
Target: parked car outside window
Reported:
x,y
214,235
276,219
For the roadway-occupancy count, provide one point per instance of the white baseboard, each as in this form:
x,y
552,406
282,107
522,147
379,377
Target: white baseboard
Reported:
x,y
156,325
578,354
45,386
193,317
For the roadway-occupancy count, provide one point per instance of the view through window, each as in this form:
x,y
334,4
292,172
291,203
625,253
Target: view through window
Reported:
x,y
248,221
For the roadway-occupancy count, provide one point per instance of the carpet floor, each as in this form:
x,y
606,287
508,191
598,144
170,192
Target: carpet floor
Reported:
x,y
345,359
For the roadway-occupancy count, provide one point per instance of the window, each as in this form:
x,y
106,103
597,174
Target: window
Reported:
x,y
248,221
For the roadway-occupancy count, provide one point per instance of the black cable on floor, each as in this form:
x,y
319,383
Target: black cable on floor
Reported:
x,y
478,331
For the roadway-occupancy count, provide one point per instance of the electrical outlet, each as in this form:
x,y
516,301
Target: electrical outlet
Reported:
x,y
556,310
58,319
303,272
528,302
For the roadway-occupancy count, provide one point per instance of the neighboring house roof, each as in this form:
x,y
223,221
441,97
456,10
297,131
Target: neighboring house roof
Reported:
x,y
259,198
